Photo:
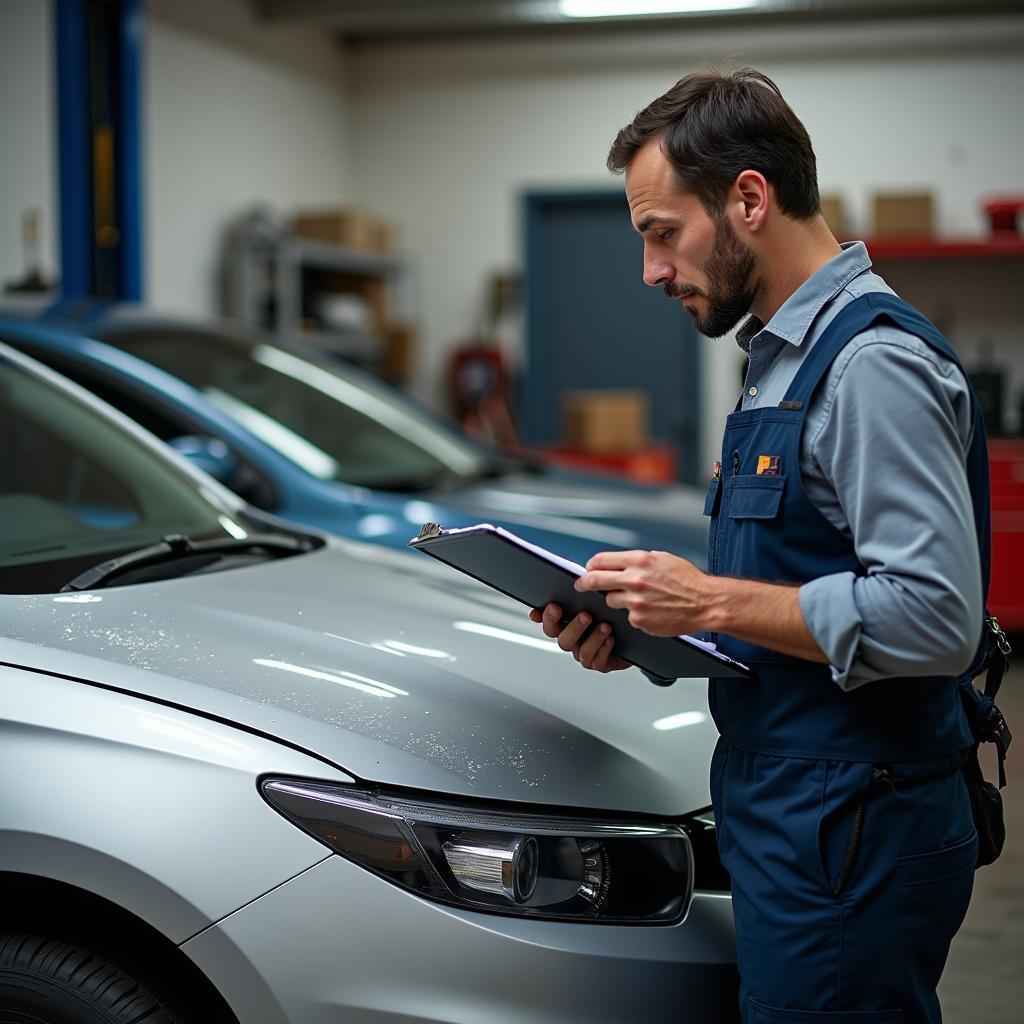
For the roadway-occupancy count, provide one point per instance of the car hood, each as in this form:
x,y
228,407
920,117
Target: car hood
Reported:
x,y
593,508
390,666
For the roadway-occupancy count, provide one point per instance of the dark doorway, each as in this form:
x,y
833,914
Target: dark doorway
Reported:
x,y
591,322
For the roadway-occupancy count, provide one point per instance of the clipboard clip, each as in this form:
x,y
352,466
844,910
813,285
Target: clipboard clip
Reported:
x,y
428,530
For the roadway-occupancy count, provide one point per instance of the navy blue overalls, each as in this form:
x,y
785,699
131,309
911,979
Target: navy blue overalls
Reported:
x,y
842,816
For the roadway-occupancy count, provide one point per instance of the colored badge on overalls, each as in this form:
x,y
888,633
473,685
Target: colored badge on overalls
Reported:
x,y
768,465
716,471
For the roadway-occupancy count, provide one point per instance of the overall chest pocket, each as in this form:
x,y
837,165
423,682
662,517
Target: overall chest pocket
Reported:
x,y
711,497
755,497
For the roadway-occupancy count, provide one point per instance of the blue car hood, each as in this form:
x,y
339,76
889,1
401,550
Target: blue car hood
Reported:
x,y
573,517
600,512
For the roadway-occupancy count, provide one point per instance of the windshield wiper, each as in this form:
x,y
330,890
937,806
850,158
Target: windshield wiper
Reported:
x,y
176,546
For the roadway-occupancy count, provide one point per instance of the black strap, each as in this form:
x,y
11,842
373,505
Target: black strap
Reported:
x,y
993,729
998,659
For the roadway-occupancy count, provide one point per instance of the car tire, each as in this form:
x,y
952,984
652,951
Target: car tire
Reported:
x,y
49,981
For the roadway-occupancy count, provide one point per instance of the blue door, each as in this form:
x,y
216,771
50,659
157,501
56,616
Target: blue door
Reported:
x,y
591,322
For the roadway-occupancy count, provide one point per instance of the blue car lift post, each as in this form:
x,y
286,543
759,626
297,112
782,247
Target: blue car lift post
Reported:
x,y
99,74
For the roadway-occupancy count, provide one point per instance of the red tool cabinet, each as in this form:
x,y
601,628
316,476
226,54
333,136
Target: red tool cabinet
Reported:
x,y
1006,592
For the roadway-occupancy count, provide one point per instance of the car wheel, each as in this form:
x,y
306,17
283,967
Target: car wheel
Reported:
x,y
48,981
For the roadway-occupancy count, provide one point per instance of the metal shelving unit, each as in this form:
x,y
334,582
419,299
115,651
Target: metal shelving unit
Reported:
x,y
274,280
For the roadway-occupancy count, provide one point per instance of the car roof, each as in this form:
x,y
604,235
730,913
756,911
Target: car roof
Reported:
x,y
59,338
107,319
76,393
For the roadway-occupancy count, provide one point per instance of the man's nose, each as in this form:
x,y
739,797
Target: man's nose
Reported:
x,y
656,271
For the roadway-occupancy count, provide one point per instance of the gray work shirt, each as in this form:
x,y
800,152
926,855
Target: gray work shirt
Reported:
x,y
883,456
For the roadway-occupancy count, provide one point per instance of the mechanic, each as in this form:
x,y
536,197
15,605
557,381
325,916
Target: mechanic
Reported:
x,y
844,567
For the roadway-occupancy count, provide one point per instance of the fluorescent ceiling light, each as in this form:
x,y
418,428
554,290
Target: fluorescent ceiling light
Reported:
x,y
506,634
230,526
356,682
400,646
414,429
680,721
312,459
632,8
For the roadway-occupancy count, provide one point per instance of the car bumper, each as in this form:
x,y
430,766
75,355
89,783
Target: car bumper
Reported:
x,y
336,943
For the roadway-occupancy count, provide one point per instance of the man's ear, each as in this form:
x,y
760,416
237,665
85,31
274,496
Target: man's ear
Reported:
x,y
750,195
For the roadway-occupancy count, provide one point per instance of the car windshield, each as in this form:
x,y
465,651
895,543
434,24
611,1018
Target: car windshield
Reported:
x,y
77,488
335,425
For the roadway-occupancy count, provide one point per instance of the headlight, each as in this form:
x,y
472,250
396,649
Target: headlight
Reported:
x,y
709,874
499,860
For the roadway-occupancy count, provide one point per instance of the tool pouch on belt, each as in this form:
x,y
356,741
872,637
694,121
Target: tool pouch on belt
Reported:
x,y
987,726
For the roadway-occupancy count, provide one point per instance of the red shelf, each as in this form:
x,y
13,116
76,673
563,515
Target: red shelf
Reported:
x,y
992,248
1006,467
652,464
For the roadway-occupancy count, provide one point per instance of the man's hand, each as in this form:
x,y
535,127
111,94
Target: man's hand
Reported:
x,y
665,595
591,649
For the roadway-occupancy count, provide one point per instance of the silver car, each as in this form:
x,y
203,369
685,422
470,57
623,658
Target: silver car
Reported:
x,y
252,774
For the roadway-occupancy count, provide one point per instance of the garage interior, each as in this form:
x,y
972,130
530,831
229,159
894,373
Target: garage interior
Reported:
x,y
419,188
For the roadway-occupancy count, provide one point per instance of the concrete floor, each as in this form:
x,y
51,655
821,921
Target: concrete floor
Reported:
x,y
984,979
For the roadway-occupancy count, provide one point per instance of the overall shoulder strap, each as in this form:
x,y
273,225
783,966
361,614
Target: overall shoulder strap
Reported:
x,y
881,307
853,319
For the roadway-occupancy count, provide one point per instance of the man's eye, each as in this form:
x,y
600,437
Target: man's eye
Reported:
x,y
666,234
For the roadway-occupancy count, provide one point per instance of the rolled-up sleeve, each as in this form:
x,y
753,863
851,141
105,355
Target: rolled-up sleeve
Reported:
x,y
889,442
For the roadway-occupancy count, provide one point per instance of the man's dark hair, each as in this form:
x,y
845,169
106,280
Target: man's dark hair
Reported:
x,y
716,125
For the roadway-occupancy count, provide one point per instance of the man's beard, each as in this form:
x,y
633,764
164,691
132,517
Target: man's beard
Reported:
x,y
729,272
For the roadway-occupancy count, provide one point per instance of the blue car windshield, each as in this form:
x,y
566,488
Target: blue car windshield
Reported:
x,y
76,488
334,425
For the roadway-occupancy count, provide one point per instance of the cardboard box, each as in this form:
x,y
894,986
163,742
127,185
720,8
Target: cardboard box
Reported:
x,y
605,421
349,227
903,214
835,215
399,351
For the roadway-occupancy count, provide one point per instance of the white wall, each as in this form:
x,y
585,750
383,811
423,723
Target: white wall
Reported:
x,y
237,111
443,140
28,153
450,136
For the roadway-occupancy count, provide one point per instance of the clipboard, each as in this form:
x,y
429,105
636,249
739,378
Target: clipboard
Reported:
x,y
534,576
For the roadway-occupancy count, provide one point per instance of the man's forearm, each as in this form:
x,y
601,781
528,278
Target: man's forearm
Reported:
x,y
666,595
766,614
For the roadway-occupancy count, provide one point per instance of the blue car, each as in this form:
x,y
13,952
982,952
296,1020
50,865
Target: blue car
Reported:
x,y
321,443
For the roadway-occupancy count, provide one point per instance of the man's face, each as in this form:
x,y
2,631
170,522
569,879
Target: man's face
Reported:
x,y
698,259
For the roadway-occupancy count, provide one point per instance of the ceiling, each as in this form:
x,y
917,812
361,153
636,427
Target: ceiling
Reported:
x,y
375,21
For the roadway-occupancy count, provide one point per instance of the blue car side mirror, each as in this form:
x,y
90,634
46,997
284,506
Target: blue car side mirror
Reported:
x,y
209,454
